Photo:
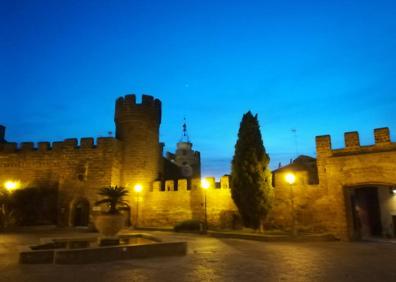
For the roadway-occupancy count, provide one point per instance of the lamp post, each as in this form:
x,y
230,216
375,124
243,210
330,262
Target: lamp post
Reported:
x,y
291,179
9,186
205,185
138,188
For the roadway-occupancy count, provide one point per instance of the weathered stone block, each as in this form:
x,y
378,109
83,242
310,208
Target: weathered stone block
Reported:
x,y
382,135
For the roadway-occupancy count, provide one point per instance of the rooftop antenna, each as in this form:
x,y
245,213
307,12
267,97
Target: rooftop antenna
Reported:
x,y
294,132
185,134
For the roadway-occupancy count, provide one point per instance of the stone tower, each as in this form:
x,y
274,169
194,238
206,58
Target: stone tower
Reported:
x,y
137,126
188,160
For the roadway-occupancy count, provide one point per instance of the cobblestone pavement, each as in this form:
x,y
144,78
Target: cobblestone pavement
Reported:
x,y
211,259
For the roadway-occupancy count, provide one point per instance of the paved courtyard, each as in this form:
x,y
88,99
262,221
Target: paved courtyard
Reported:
x,y
211,259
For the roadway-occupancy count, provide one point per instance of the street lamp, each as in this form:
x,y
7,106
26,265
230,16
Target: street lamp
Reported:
x,y
205,185
138,188
291,179
11,185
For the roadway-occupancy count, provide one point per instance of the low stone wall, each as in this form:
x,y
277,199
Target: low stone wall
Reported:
x,y
103,254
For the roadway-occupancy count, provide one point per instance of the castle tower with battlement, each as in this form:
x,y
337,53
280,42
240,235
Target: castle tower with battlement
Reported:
x,y
137,126
76,169
331,193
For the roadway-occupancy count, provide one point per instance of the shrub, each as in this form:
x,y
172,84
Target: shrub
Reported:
x,y
113,199
230,220
35,205
191,225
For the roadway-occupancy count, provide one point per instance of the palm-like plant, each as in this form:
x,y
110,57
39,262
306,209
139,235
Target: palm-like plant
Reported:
x,y
113,198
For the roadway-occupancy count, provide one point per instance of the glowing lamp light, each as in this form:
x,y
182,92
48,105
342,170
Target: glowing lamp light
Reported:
x,y
11,185
138,188
394,191
290,178
205,184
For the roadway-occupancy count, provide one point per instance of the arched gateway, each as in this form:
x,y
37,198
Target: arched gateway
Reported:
x,y
371,210
349,192
80,212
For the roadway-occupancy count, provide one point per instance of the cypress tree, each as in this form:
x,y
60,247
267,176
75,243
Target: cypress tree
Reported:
x,y
251,186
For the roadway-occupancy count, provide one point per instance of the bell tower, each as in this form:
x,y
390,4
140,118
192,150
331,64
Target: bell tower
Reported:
x,y
188,160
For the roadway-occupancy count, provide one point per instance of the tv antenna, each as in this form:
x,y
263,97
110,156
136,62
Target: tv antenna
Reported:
x,y
294,132
185,137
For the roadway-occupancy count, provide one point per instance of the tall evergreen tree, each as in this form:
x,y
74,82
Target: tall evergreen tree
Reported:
x,y
251,187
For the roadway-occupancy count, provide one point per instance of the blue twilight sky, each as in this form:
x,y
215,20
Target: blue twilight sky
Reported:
x,y
320,67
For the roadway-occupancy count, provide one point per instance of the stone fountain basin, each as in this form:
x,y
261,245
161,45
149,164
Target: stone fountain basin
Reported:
x,y
87,250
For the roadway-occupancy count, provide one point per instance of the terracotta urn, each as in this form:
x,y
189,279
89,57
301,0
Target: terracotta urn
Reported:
x,y
108,225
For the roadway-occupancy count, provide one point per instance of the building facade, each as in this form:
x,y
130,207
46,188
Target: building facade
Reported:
x,y
349,192
78,168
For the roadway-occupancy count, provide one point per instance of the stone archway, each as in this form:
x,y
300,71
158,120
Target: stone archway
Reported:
x,y
80,213
371,211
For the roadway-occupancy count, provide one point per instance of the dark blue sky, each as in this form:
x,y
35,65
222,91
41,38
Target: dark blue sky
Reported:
x,y
317,66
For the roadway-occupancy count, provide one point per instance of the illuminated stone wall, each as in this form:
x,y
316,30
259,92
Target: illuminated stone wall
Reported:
x,y
75,169
353,166
78,168
167,203
326,206
302,195
137,126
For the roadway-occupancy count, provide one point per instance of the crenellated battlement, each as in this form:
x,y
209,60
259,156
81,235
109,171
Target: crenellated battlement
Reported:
x,y
352,144
128,109
137,126
190,184
67,144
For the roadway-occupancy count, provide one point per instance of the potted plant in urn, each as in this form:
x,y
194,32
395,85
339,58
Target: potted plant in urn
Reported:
x,y
111,221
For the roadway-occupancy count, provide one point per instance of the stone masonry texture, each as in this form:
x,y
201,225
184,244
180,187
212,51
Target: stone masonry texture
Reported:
x,y
78,168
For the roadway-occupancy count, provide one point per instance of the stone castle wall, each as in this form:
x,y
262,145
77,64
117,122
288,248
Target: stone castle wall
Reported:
x,y
307,204
169,202
326,206
76,170
341,170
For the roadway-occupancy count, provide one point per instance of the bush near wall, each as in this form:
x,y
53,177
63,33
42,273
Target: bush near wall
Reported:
x,y
35,206
188,226
230,220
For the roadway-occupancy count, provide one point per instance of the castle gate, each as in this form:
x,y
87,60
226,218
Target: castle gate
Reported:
x,y
370,211
360,184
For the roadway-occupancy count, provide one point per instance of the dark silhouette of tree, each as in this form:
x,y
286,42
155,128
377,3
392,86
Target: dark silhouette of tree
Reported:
x,y
113,198
251,187
34,205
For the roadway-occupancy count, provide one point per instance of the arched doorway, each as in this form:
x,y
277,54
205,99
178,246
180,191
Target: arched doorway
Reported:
x,y
80,215
371,211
